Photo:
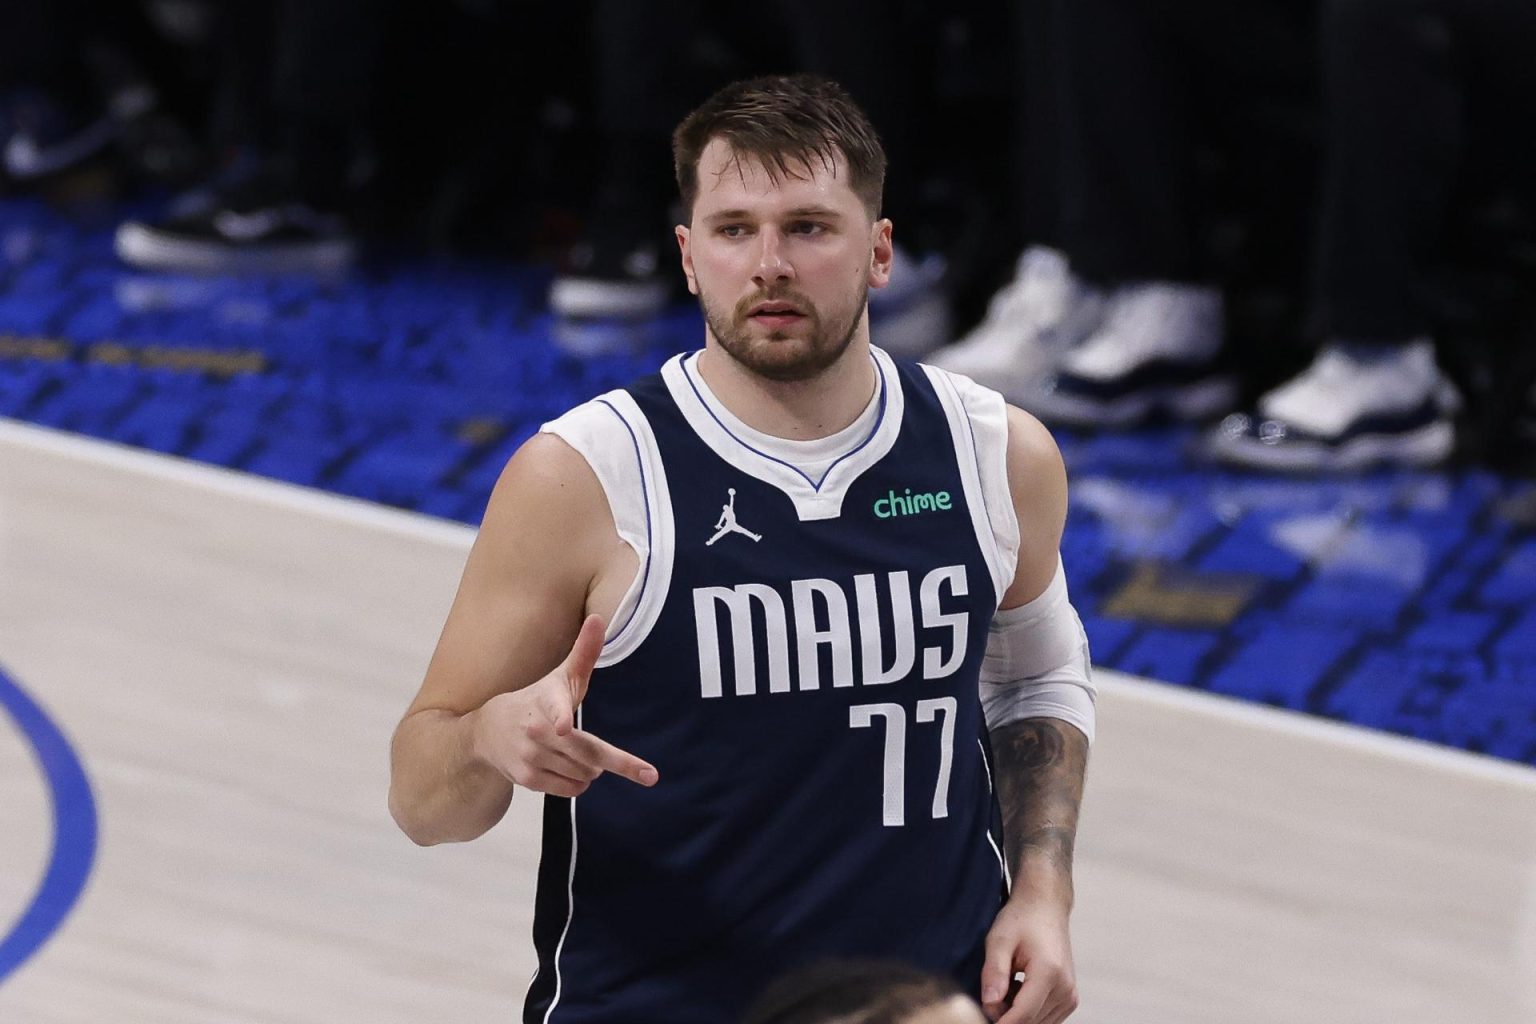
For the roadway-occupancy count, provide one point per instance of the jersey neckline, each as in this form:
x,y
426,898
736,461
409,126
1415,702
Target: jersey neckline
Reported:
x,y
814,496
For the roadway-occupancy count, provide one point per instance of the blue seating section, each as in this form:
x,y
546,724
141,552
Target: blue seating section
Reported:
x,y
1398,601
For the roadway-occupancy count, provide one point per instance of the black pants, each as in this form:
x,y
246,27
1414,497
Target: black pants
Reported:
x,y
296,81
650,73
78,50
1411,88
1141,84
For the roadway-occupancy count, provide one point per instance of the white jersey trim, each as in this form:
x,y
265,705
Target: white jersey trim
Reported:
x,y
978,423
813,498
613,435
570,903
1002,862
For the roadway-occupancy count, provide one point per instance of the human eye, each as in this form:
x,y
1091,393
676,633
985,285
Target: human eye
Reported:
x,y
732,230
807,227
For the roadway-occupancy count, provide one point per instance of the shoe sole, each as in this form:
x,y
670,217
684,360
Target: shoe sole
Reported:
x,y
590,337
583,298
1187,403
1418,449
142,247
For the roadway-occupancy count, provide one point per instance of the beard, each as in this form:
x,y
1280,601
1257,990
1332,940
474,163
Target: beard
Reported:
x,y
800,353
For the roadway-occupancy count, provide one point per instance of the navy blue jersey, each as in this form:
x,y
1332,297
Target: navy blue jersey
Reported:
x,y
805,682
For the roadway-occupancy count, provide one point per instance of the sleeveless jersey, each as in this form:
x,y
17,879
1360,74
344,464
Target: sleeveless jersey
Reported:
x,y
798,657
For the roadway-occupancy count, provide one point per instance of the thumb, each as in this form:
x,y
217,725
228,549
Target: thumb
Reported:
x,y
996,973
583,657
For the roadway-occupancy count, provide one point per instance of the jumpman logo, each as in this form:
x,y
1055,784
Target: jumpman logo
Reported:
x,y
727,521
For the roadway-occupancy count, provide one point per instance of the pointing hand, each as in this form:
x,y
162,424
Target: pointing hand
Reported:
x,y
529,735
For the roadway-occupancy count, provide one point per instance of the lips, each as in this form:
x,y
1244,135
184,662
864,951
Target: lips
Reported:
x,y
775,310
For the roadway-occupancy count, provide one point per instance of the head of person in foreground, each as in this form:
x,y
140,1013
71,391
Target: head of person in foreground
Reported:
x,y
863,992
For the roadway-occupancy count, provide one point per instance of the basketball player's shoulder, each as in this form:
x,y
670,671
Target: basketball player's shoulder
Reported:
x,y
1032,450
552,481
1036,475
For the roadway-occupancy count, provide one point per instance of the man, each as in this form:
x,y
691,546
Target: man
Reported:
x,y
769,750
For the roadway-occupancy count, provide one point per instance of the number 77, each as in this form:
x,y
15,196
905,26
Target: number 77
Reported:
x,y
893,796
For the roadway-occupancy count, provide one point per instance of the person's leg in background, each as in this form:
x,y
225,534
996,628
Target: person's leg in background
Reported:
x,y
1135,75
80,79
863,45
323,83
1127,221
1036,317
622,265
298,76
1502,37
1394,95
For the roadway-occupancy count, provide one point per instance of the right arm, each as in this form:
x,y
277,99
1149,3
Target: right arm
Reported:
x,y
512,663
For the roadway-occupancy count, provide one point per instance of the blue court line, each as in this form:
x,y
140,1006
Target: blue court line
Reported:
x,y
74,830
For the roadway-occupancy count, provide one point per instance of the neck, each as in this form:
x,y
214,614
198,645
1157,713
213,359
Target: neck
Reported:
x,y
800,410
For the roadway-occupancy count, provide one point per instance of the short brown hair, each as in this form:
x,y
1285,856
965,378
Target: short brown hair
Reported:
x,y
780,120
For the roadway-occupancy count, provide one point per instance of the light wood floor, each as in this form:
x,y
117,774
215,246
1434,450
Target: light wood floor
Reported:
x,y
229,656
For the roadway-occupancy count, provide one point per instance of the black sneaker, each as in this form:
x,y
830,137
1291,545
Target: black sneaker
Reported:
x,y
610,279
227,234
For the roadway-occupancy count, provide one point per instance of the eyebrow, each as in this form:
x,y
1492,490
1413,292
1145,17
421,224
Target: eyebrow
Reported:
x,y
825,212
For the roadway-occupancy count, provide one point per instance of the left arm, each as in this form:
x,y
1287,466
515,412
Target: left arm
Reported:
x,y
1039,760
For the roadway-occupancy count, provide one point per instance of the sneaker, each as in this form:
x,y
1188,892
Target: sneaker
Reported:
x,y
1031,324
909,317
45,137
609,278
1154,354
257,232
1347,413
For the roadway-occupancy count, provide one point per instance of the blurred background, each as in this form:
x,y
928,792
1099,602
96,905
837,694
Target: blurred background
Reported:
x,y
1266,267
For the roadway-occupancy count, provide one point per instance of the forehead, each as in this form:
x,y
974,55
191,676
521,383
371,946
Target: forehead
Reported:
x,y
728,180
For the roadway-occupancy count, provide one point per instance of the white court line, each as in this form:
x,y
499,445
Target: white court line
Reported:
x,y
1325,730
448,533
237,484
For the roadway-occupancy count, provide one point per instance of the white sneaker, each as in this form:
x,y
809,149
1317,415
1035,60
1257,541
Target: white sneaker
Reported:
x,y
1347,413
1154,354
1030,325
909,317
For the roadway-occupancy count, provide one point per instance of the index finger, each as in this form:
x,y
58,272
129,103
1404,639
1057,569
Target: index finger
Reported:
x,y
603,755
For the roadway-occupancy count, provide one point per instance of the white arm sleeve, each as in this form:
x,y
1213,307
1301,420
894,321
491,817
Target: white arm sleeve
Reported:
x,y
1037,665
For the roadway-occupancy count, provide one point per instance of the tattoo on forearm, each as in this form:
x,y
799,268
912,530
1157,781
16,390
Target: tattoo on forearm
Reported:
x,y
1040,765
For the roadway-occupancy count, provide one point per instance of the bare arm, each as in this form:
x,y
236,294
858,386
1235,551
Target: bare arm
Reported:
x,y
513,658
1040,763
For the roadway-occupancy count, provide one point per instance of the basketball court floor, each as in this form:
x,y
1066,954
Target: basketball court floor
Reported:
x,y
200,670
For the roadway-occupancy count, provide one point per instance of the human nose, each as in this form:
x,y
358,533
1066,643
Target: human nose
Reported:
x,y
772,262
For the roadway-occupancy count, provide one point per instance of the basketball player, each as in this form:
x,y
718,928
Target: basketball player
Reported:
x,y
778,631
